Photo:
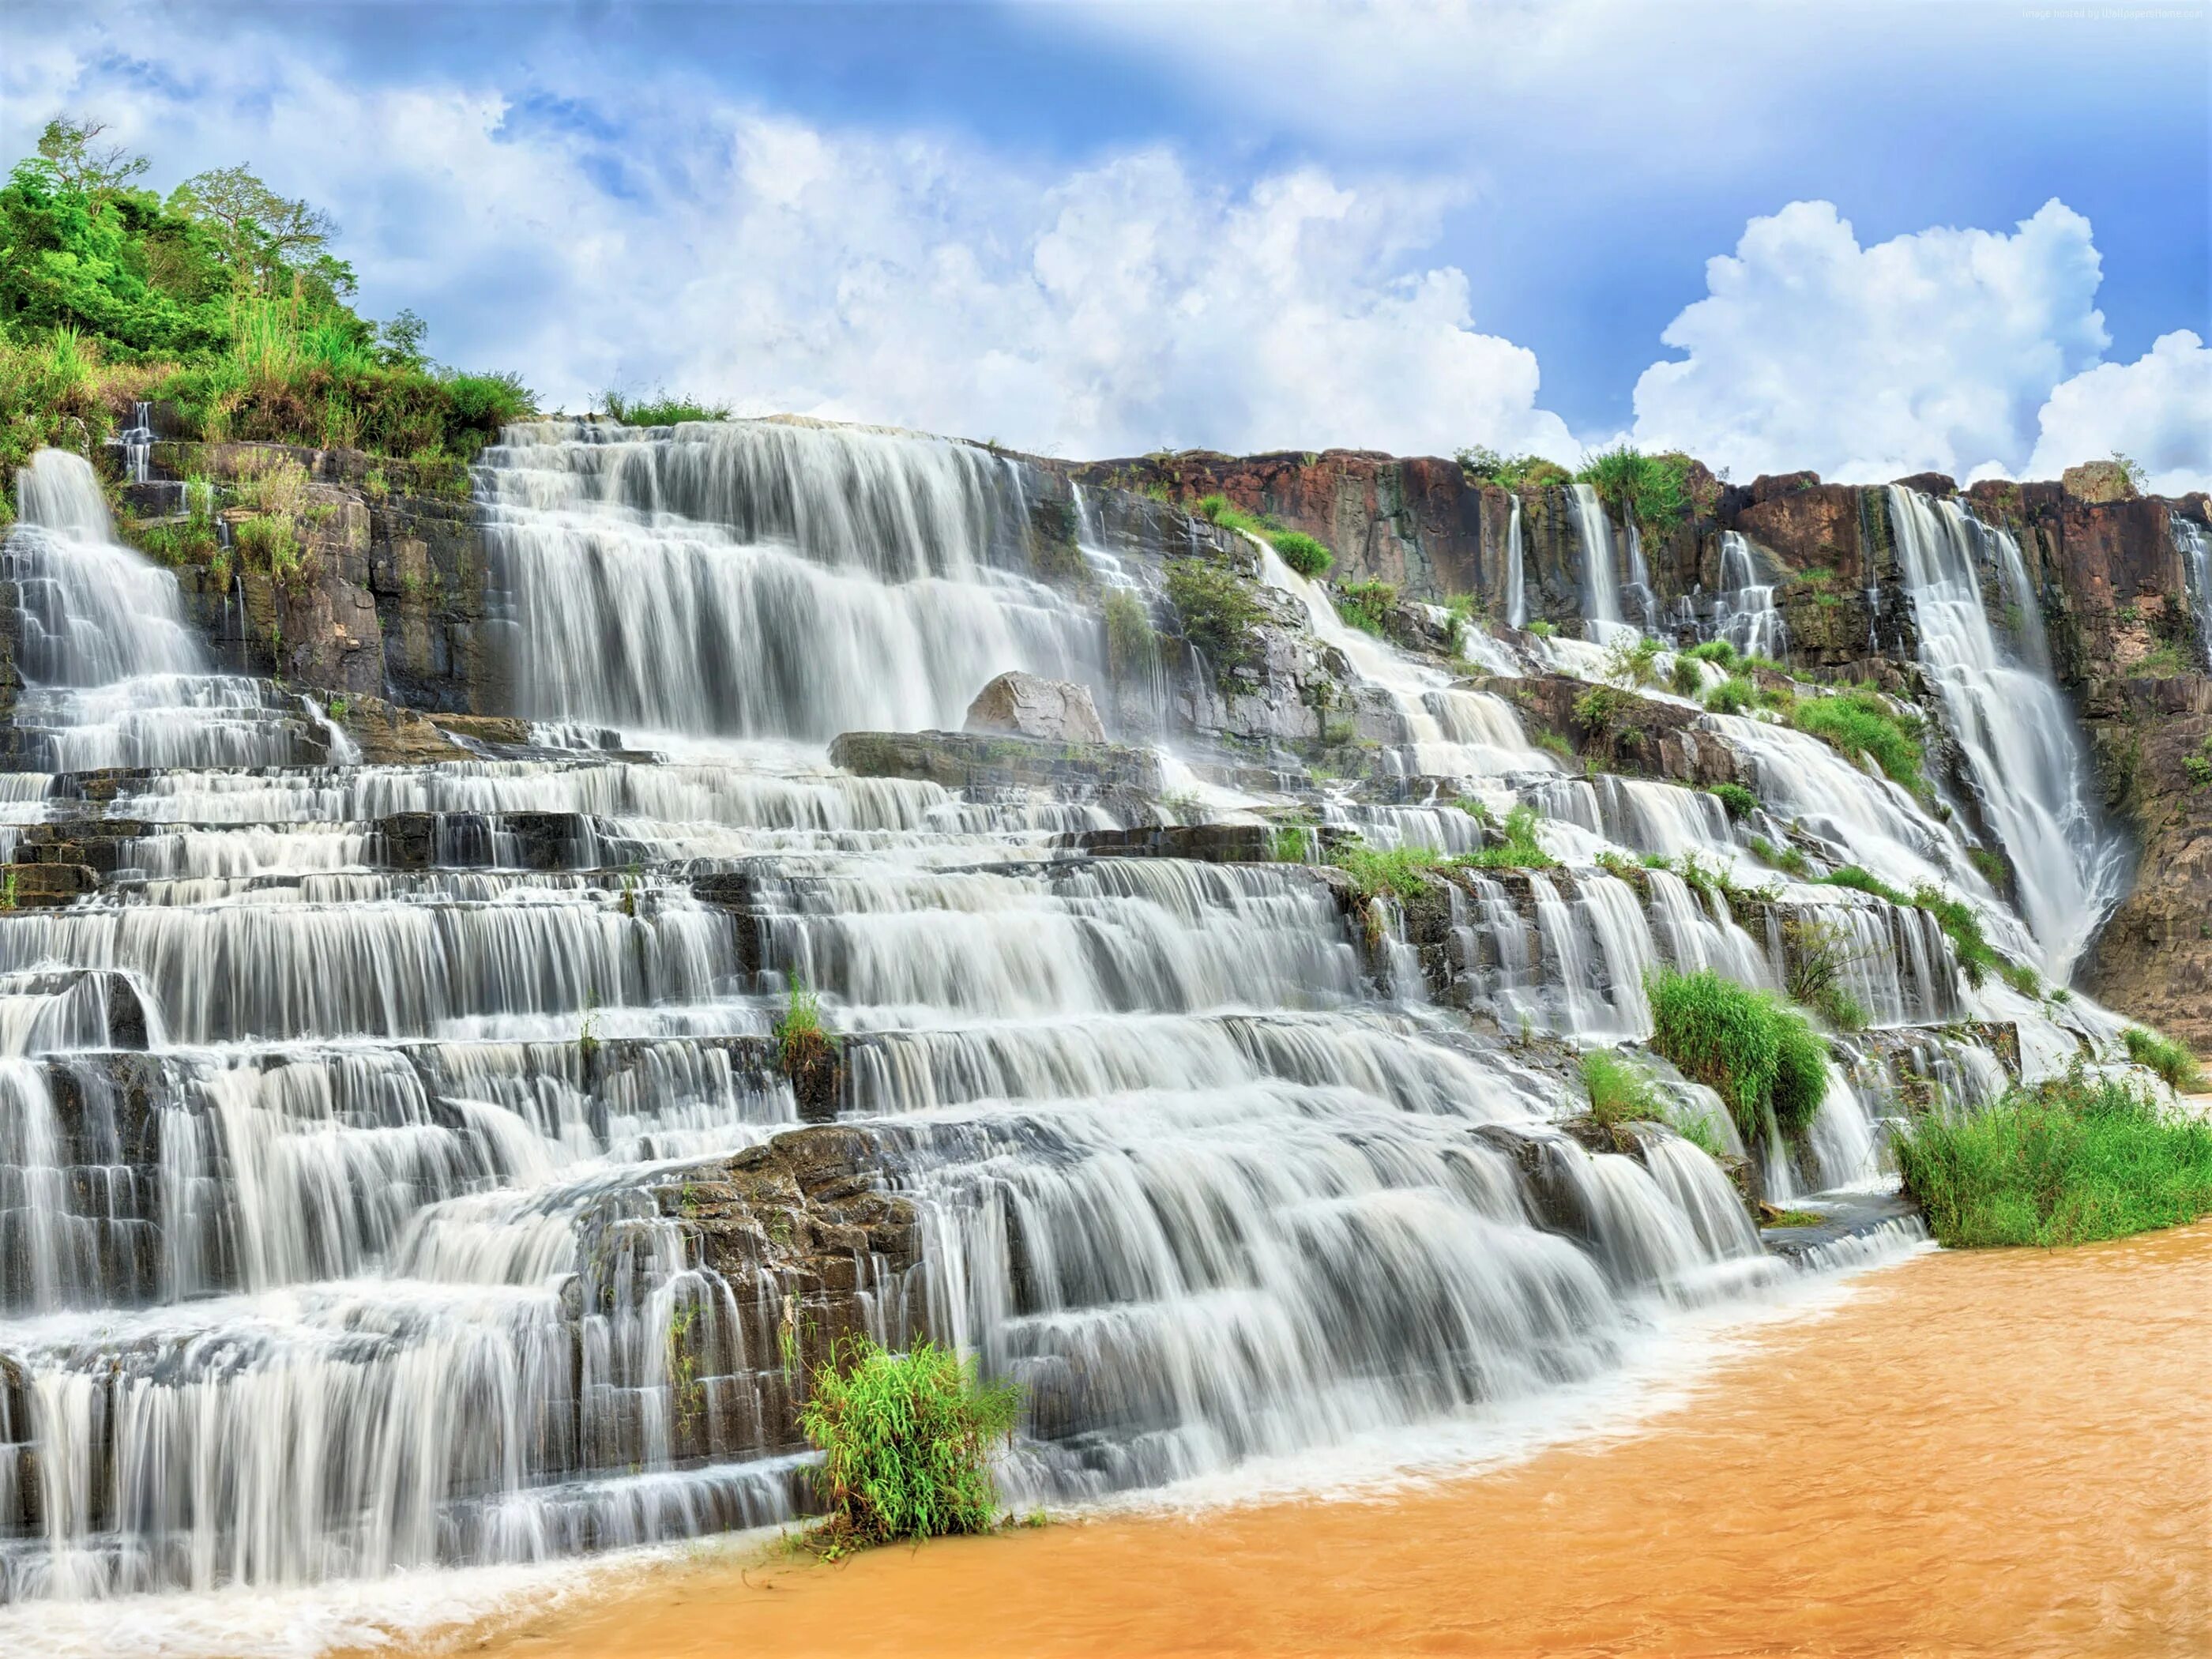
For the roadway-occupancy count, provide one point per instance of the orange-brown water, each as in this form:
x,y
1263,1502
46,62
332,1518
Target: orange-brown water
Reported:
x,y
1994,1453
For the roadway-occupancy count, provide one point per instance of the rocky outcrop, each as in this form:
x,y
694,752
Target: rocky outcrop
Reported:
x,y
1029,706
964,760
1622,730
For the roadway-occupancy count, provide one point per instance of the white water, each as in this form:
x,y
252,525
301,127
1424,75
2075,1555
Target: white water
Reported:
x,y
1601,581
374,1263
2194,546
1516,582
2020,737
1745,615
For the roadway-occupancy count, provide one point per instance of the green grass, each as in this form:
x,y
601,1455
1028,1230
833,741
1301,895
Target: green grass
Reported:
x,y
1131,648
1367,605
1619,1092
1749,1046
1400,871
1733,695
1542,627
1740,802
2068,1161
1861,721
2170,1059
906,1441
1688,679
1293,844
1634,663
1519,850
1719,652
1603,706
1308,557
660,409
1654,490
801,1040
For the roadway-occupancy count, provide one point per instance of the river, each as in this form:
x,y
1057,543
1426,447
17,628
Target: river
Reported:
x,y
1973,1453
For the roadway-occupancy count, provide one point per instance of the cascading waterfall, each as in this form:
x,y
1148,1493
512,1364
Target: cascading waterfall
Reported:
x,y
114,675
1745,616
2013,723
351,1135
765,578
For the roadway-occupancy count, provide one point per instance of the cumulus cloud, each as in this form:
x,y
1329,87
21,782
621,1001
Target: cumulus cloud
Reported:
x,y
727,251
2157,411
1936,350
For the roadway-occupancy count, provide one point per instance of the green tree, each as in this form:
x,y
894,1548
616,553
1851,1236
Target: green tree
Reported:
x,y
79,161
265,237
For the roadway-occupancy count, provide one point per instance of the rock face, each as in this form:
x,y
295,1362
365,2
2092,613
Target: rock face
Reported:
x,y
1027,706
2100,481
964,760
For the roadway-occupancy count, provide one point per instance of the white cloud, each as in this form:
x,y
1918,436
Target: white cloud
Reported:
x,y
1112,309
1932,350
2156,410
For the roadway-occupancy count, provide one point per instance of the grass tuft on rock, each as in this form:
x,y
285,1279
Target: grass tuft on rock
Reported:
x,y
2068,1161
1752,1049
906,1441
2170,1059
1861,721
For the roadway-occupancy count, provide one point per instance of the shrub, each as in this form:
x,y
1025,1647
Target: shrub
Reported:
x,y
1746,1045
1860,721
1512,472
906,1442
1719,652
2170,1059
1688,680
1619,1092
1740,801
1131,649
1542,627
1602,706
1308,557
1634,662
2067,1161
1292,844
267,540
1819,954
1654,490
1219,611
1733,695
2022,979
1367,605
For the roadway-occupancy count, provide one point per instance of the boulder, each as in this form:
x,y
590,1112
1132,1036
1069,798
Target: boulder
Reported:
x,y
1029,706
2098,481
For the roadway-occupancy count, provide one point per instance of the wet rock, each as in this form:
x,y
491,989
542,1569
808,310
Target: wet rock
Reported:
x,y
967,759
1206,843
1030,706
1644,736
390,735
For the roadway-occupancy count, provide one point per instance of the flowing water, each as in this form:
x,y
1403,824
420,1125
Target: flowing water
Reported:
x,y
1975,1454
344,1220
2021,741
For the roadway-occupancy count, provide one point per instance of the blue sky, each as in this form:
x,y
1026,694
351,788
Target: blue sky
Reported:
x,y
1962,234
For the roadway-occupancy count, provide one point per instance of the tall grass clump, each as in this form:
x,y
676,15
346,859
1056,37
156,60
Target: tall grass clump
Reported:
x,y
1751,1048
802,1041
659,409
906,1441
1308,557
1517,850
1733,695
1861,721
2170,1059
1620,1092
1133,649
1367,605
2067,1161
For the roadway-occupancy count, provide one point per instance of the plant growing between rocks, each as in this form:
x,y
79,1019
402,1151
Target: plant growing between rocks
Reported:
x,y
906,1441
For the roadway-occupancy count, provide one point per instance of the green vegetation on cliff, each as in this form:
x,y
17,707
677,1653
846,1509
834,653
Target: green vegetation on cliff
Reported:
x,y
2169,1059
1861,720
906,1441
1310,558
1657,491
222,298
2068,1161
1752,1049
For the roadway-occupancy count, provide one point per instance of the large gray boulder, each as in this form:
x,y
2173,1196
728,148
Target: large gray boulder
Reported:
x,y
1028,705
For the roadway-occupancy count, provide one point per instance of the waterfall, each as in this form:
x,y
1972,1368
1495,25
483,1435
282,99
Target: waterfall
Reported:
x,y
1745,616
2194,546
1516,593
2018,736
766,578
381,1146
1601,585
114,674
